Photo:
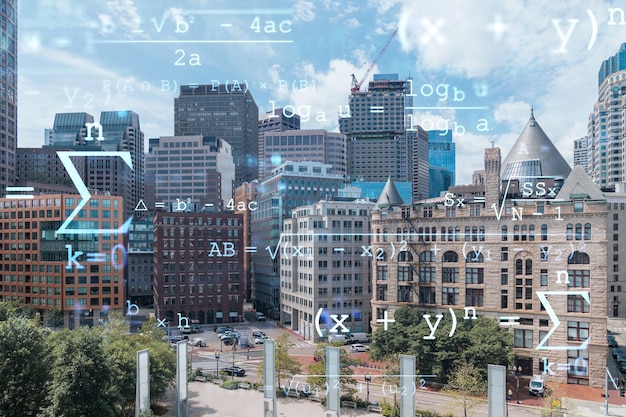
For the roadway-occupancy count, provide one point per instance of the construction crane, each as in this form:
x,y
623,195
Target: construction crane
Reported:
x,y
356,84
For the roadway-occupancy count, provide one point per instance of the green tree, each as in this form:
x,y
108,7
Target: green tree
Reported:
x,y
481,340
23,367
464,385
8,309
55,318
120,349
284,365
318,379
82,383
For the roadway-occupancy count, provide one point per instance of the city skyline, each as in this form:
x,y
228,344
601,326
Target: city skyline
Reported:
x,y
516,57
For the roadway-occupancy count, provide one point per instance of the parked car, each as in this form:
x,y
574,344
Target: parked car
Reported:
x,y
260,316
245,342
234,370
617,352
222,329
229,334
611,341
621,359
198,342
258,333
229,341
360,337
260,340
358,347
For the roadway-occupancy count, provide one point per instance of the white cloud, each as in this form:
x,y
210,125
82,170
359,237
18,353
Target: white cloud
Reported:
x,y
85,86
125,15
512,113
352,23
303,11
318,106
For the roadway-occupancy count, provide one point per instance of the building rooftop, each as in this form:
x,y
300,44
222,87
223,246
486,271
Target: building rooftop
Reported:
x,y
534,155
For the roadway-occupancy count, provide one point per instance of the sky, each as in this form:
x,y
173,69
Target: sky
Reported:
x,y
477,67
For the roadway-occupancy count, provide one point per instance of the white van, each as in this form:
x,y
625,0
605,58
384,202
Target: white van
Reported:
x,y
360,337
338,337
260,316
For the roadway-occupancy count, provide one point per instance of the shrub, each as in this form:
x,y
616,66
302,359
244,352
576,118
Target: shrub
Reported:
x,y
230,385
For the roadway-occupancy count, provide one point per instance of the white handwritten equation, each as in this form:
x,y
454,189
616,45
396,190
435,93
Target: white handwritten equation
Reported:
x,y
386,388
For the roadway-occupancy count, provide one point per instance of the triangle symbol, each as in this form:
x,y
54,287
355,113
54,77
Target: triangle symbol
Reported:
x,y
141,206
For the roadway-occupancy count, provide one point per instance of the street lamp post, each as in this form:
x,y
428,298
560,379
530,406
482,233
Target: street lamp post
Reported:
x,y
368,378
217,370
221,345
518,373
232,374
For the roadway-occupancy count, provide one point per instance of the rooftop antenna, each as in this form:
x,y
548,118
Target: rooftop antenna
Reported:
x,y
493,142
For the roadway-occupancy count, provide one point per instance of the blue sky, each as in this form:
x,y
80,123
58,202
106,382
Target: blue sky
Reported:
x,y
499,57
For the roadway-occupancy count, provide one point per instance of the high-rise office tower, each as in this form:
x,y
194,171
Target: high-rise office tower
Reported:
x,y
117,131
226,111
279,120
380,144
195,168
606,126
442,161
581,155
8,101
290,185
302,145
122,132
69,129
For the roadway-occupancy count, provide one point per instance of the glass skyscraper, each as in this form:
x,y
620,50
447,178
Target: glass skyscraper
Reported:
x,y
8,97
226,111
441,161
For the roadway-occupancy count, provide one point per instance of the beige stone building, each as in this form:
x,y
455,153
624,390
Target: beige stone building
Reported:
x,y
531,252
323,268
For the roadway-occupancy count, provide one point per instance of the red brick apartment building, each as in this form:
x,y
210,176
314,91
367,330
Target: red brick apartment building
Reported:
x,y
45,269
198,267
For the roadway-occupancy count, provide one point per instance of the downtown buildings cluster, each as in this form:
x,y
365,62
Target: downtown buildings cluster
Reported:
x,y
233,209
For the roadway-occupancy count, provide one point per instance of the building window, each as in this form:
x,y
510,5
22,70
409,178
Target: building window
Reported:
x,y
405,273
578,278
577,304
518,267
450,256
427,256
523,338
449,274
505,233
587,231
529,267
382,272
474,275
450,296
427,274
577,330
516,232
579,231
382,293
504,299
569,234
504,277
474,297
544,232
580,258
405,295
427,295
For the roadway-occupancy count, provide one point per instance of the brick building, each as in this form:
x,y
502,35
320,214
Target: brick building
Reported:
x,y
518,251
198,260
